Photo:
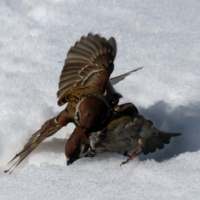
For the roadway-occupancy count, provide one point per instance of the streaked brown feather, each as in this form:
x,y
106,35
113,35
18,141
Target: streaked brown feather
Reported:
x,y
49,128
91,53
64,79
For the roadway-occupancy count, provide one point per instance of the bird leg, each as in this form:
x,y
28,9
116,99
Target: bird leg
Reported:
x,y
134,153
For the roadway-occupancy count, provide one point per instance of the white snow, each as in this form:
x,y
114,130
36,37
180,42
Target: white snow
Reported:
x,y
161,36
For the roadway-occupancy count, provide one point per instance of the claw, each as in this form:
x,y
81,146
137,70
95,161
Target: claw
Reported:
x,y
134,153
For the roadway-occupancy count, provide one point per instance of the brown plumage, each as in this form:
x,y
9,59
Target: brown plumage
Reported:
x,y
72,149
89,64
84,85
127,130
50,127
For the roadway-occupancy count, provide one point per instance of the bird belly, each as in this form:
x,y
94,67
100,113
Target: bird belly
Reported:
x,y
112,142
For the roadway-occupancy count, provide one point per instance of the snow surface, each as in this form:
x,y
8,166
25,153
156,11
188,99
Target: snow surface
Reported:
x,y
162,36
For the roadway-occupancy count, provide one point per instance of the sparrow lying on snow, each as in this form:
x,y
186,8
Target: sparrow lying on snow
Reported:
x,y
127,130
85,86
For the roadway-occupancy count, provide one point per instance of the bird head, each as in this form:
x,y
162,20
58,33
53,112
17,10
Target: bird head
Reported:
x,y
92,112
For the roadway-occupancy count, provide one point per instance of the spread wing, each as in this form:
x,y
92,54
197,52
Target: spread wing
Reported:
x,y
48,128
89,63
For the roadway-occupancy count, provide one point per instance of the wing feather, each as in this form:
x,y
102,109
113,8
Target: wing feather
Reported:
x,y
89,62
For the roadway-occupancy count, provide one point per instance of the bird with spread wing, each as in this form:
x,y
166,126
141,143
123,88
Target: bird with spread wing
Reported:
x,y
85,86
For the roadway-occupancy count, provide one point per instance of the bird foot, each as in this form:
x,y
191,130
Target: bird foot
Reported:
x,y
134,153
131,158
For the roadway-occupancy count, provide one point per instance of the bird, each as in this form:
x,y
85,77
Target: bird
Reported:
x,y
84,84
127,130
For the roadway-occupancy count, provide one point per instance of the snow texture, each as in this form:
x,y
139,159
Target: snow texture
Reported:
x,y
162,36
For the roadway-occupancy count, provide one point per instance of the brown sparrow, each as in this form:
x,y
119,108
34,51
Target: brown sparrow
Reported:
x,y
84,85
126,131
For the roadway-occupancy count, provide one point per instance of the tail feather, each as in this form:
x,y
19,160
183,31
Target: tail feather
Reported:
x,y
148,147
158,142
48,128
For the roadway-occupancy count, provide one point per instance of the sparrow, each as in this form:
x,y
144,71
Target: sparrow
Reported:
x,y
85,87
127,130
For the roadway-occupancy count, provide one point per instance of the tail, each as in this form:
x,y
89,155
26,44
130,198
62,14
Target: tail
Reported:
x,y
157,142
49,128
